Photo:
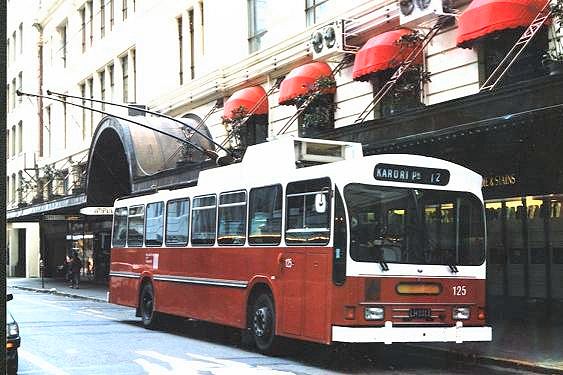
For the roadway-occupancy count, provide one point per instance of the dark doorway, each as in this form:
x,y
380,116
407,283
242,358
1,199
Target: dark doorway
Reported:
x,y
20,265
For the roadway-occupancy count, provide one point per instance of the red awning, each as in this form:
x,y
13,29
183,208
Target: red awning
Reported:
x,y
301,80
380,53
246,98
483,17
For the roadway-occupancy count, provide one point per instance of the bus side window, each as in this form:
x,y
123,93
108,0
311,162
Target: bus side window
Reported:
x,y
154,224
204,215
232,218
264,215
177,215
305,223
135,226
119,227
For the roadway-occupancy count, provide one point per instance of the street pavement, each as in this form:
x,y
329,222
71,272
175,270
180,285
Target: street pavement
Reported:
x,y
521,340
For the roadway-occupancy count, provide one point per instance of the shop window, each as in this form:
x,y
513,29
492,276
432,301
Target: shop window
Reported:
x,y
518,256
232,218
538,255
528,65
135,226
265,214
177,217
204,215
154,224
308,212
558,255
119,227
405,95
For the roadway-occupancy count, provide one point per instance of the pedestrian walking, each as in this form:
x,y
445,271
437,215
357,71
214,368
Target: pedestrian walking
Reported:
x,y
75,267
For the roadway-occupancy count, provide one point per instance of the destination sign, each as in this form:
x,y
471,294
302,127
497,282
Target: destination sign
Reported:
x,y
415,175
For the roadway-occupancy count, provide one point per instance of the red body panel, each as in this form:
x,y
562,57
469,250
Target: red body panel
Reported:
x,y
307,302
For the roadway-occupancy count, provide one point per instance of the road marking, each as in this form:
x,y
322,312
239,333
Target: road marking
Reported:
x,y
198,364
41,363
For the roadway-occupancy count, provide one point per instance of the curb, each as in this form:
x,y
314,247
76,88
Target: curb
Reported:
x,y
59,293
496,361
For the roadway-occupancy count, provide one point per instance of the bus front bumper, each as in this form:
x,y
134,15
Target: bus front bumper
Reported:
x,y
390,334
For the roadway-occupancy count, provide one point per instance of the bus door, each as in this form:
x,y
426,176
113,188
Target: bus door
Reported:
x,y
305,264
556,239
538,249
517,249
496,265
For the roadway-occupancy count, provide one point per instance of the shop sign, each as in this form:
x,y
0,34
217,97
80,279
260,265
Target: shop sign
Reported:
x,y
503,180
54,217
79,236
97,211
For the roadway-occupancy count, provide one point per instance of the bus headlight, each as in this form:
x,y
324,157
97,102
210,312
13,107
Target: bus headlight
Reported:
x,y
460,313
374,313
12,329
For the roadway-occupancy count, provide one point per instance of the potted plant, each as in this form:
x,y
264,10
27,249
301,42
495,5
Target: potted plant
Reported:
x,y
552,59
319,114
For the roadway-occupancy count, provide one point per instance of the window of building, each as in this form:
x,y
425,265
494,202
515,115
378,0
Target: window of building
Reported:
x,y
102,79
308,212
124,9
192,41
102,18
111,14
13,187
47,126
14,38
20,187
119,227
265,215
202,27
204,215
20,85
91,92
493,49
8,88
177,218
13,93
232,218
83,102
111,76
82,12
20,137
154,224
257,15
8,189
90,7
125,77
13,147
315,11
8,143
134,80
21,38
180,49
405,94
63,38
8,52
135,226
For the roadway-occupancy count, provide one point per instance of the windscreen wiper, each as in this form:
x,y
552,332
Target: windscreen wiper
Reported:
x,y
453,268
383,265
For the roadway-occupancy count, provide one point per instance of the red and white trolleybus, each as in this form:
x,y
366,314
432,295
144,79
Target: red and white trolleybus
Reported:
x,y
311,240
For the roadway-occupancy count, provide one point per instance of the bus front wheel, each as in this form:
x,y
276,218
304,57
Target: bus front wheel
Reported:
x,y
148,315
263,324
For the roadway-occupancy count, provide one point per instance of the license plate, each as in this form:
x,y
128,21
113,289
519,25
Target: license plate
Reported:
x,y
419,313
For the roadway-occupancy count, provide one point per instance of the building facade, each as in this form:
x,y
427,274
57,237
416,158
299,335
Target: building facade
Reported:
x,y
194,58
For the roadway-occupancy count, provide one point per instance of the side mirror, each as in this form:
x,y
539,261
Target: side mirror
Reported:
x,y
320,203
9,297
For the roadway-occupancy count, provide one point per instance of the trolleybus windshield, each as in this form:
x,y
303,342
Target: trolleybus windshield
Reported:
x,y
419,226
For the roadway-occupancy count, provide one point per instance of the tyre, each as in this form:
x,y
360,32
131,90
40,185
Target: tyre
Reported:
x,y
149,316
263,324
12,365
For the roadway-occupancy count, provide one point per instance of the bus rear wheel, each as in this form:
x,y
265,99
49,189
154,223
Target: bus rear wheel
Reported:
x,y
263,324
149,316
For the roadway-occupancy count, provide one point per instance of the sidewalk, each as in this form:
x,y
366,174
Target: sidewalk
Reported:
x,y
524,336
